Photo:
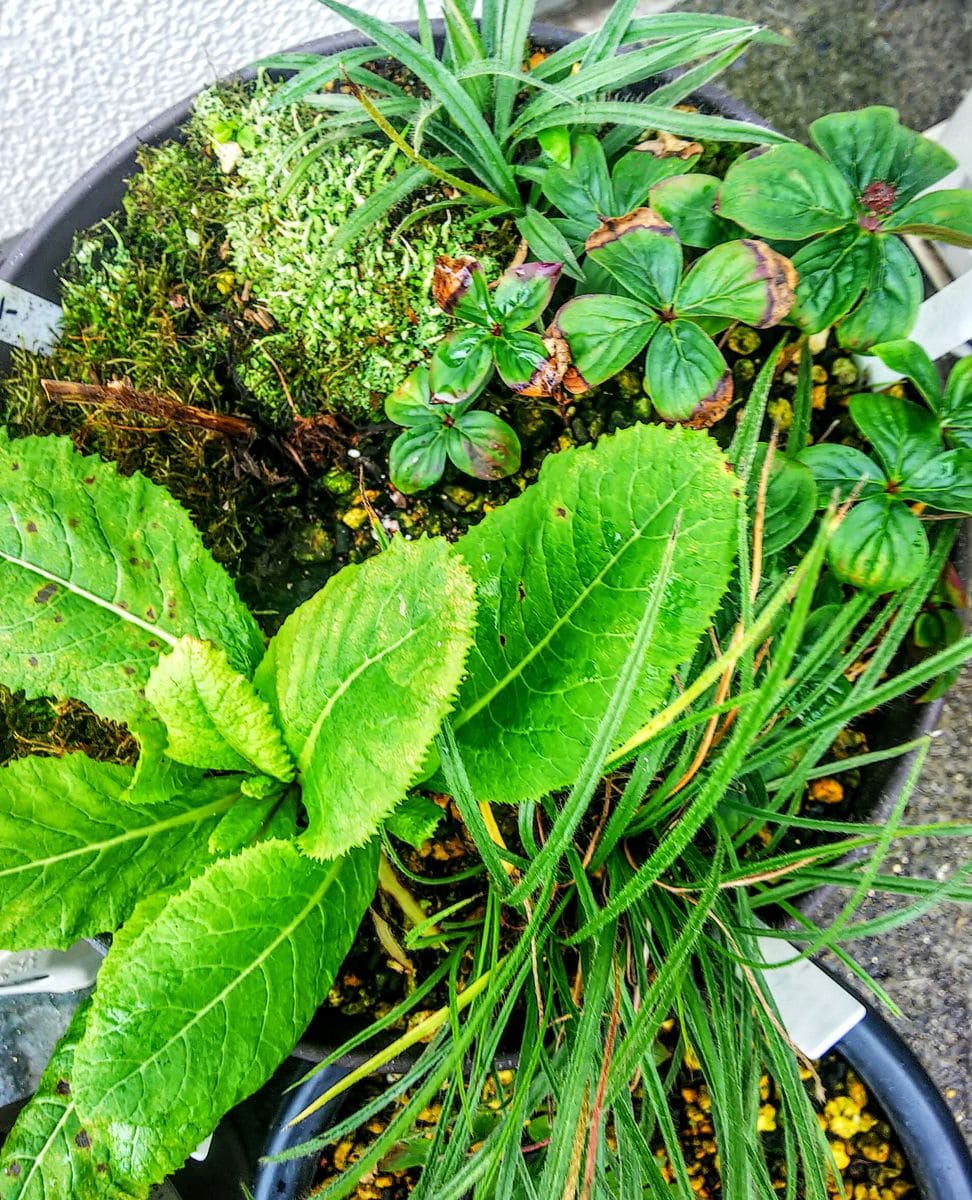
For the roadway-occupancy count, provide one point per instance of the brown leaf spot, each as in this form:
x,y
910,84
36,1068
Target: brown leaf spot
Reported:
x,y
129,670
561,512
574,382
502,640
101,1168
153,644
781,278
82,1140
451,279
62,1087
150,613
14,1170
713,407
667,145
33,660
74,522
31,527
521,590
58,619
45,593
88,479
612,228
15,466
546,379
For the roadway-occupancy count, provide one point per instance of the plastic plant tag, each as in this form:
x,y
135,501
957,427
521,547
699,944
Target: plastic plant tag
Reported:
x,y
815,1010
31,971
27,320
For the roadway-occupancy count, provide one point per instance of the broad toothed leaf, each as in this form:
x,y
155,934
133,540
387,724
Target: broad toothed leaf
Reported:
x,y
604,334
686,375
213,716
415,820
564,572
49,1154
360,677
522,293
75,856
789,192
745,280
97,574
483,445
196,1007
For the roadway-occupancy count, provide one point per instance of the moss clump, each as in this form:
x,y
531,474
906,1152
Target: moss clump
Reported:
x,y
348,325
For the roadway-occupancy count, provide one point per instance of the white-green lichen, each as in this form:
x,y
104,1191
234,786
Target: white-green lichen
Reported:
x,y
347,332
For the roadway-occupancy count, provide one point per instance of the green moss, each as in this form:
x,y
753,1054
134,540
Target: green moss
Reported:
x,y
347,334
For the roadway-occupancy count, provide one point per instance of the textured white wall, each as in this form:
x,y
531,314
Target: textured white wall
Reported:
x,y
76,76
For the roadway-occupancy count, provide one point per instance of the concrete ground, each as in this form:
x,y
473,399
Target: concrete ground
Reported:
x,y
916,55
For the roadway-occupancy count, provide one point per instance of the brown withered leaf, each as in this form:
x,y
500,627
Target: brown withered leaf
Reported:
x,y
611,228
451,279
781,277
667,145
547,378
713,407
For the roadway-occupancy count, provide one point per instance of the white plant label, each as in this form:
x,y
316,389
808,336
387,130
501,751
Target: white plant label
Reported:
x,y
27,320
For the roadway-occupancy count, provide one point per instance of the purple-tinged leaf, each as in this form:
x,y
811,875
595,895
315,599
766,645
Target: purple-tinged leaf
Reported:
x,y
483,445
745,280
523,292
459,289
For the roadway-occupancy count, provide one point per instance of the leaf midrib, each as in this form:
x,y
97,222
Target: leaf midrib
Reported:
x,y
75,589
487,698
37,1162
234,983
189,817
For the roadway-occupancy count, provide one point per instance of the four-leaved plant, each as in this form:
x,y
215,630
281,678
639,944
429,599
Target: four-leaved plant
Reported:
x,y
881,545
671,312
850,205
239,855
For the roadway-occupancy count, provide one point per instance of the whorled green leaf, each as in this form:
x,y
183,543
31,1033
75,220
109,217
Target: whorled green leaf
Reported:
x,y
685,373
688,202
879,546
266,808
892,295
75,855
604,333
459,370
196,1007
484,445
908,358
523,292
408,404
636,174
642,253
944,482
49,1154
519,355
904,435
415,820
583,189
945,216
359,678
563,573
956,408
832,271
786,192
745,280
417,457
213,716
791,497
97,574
840,472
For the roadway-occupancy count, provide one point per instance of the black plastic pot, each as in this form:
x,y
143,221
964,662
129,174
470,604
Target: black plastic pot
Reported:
x,y
931,1140
918,1113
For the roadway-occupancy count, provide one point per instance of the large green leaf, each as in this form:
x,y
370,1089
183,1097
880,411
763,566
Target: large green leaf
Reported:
x,y
892,294
213,716
97,574
642,253
49,1154
879,546
196,1007
745,280
686,373
583,190
945,216
360,677
944,482
832,271
956,410
904,435
787,192
563,573
604,334
75,856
